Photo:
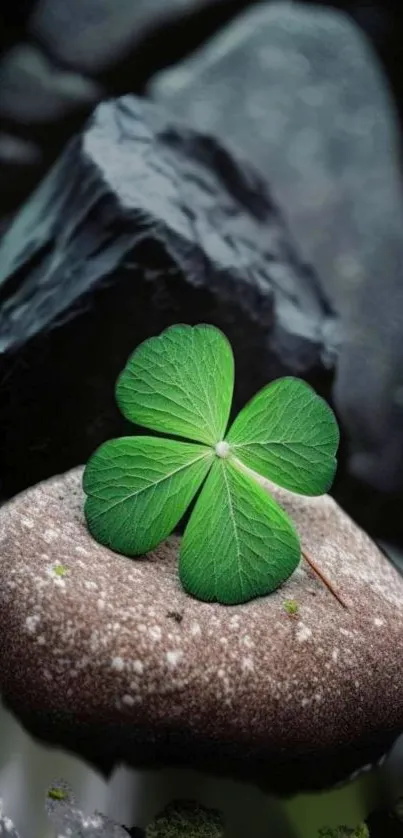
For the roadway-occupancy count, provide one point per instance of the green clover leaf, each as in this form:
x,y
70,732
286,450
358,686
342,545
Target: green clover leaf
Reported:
x,y
180,383
239,543
288,434
249,546
139,488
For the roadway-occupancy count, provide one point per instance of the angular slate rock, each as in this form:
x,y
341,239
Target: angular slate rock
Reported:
x,y
300,91
111,659
142,223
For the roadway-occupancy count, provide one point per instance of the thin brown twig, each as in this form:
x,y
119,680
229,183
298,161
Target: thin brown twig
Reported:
x,y
323,578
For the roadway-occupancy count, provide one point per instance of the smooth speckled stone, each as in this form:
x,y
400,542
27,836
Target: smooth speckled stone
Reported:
x,y
110,658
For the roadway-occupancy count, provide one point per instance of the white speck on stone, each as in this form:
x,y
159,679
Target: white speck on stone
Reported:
x,y
304,702
303,633
50,535
41,640
224,641
128,699
174,657
226,685
94,641
90,585
318,696
335,654
300,573
141,627
93,822
246,640
155,633
233,623
118,664
195,629
61,583
138,667
82,550
248,664
27,522
378,622
101,604
32,622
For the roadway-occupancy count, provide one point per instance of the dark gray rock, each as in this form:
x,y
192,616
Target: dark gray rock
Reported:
x,y
142,223
299,90
36,92
93,35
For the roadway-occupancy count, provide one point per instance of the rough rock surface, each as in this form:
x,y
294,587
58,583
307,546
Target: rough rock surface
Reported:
x,y
300,91
109,657
141,224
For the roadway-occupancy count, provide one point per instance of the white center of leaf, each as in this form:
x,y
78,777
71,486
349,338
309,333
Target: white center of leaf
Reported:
x,y
222,449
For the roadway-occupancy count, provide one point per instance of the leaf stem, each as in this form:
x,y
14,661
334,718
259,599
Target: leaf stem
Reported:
x,y
325,581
